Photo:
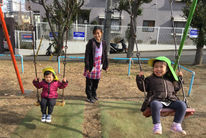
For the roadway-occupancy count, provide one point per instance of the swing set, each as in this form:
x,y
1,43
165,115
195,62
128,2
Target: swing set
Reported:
x,y
167,111
147,112
60,102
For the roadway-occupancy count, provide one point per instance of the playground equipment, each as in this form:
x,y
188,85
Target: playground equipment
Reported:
x,y
59,102
167,111
10,49
21,57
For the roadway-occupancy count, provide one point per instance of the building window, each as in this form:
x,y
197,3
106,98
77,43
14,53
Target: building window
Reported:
x,y
115,25
148,26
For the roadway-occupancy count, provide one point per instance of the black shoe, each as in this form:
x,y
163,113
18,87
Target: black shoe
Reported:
x,y
90,100
95,98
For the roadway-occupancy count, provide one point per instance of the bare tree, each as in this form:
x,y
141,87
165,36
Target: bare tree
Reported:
x,y
61,13
133,8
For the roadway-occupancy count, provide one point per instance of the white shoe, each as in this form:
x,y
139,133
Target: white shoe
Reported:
x,y
43,118
176,127
48,118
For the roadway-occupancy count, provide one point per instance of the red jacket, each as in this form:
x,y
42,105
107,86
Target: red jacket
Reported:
x,y
49,89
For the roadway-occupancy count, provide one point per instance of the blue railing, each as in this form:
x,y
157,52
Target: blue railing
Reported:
x,y
129,67
21,57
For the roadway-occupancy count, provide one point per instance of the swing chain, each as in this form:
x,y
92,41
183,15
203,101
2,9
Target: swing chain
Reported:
x,y
64,62
34,57
176,52
137,53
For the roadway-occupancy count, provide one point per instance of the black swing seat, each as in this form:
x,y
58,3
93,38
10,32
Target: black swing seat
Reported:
x,y
168,112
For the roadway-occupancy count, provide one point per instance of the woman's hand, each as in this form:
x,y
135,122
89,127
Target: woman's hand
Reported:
x,y
87,71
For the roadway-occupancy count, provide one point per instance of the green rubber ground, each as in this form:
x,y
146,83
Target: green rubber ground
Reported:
x,y
66,122
123,119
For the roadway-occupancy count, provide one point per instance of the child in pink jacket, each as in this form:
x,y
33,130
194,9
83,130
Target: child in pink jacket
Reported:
x,y
49,85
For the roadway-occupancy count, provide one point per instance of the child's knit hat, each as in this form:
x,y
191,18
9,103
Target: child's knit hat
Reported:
x,y
51,70
167,60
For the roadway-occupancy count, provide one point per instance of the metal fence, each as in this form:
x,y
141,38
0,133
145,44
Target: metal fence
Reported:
x,y
145,35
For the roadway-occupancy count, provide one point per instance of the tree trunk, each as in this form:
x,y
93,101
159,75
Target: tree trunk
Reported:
x,y
107,25
198,56
132,37
199,50
59,46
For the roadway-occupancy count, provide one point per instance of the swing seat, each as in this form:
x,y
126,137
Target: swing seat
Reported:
x,y
58,103
168,112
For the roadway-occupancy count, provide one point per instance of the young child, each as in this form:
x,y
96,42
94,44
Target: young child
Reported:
x,y
161,88
95,61
49,85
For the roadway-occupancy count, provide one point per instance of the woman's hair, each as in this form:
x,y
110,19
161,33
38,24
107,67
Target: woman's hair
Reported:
x,y
96,28
48,73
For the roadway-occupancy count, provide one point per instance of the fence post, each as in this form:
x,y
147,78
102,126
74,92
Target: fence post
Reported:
x,y
18,38
158,33
85,30
182,33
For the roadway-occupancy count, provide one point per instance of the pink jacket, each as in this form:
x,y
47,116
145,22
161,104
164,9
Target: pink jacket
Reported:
x,y
49,89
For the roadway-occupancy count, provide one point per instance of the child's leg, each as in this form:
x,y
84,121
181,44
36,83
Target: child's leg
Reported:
x,y
155,107
43,105
89,88
95,83
51,105
180,108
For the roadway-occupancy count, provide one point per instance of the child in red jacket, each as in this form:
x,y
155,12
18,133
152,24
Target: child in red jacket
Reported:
x,y
49,85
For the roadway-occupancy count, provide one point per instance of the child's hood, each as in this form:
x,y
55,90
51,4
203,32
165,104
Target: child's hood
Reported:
x,y
167,60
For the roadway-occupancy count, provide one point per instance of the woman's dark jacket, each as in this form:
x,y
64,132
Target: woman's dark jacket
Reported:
x,y
90,54
159,88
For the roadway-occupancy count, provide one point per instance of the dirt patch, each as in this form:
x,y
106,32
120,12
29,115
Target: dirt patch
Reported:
x,y
92,125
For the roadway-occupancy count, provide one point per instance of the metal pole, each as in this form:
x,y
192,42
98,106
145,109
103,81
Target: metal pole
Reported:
x,y
192,10
11,49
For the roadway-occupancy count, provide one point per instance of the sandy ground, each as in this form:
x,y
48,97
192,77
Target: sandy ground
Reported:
x,y
114,85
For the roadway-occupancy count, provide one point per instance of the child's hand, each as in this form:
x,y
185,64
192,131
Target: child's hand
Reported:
x,y
64,79
180,74
141,73
36,79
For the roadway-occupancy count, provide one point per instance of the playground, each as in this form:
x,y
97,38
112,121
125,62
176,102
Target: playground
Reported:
x,y
116,114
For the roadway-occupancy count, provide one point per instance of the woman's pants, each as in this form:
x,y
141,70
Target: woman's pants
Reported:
x,y
91,87
178,106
